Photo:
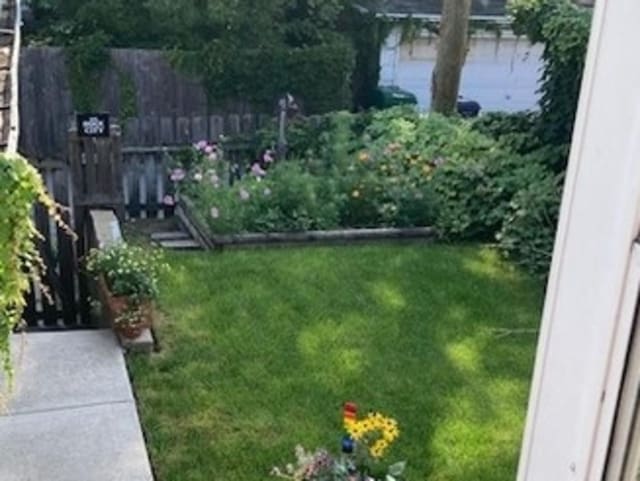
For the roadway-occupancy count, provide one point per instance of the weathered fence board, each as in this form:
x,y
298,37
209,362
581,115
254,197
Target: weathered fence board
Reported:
x,y
171,109
56,306
145,177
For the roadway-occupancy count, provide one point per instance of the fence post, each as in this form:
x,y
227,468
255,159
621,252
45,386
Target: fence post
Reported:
x,y
96,170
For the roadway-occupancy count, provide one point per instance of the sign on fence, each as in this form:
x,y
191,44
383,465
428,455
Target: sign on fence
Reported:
x,y
93,125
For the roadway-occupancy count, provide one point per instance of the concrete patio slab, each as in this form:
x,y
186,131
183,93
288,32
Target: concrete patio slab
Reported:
x,y
94,443
68,369
72,416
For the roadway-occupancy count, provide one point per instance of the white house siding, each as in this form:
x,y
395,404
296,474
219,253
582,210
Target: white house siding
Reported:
x,y
500,73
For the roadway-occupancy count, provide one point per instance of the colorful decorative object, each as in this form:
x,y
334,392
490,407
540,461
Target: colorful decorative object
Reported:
x,y
348,444
363,448
375,431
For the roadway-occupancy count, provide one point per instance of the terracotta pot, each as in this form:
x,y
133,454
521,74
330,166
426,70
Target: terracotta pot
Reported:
x,y
115,306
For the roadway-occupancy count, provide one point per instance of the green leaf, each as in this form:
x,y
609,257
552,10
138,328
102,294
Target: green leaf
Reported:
x,y
396,469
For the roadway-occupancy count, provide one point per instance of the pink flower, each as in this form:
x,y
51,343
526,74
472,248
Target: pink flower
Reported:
x,y
213,156
177,175
168,200
201,145
208,149
268,157
244,194
258,171
215,212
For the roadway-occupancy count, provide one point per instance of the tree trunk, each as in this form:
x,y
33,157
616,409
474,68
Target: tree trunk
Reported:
x,y
452,46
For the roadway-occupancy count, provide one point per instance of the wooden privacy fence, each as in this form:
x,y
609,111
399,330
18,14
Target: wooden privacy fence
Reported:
x,y
145,177
155,130
145,182
96,169
99,173
161,106
59,305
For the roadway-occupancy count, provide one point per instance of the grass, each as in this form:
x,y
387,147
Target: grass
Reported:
x,y
260,349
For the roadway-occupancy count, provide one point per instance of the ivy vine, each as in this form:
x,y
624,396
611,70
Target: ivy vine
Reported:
x,y
87,59
20,261
128,104
563,28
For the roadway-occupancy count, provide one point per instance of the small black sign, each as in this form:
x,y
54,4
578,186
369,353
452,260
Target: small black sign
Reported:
x,y
93,125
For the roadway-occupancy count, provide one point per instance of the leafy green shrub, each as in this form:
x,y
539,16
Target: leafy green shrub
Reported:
x,y
563,27
289,199
519,132
474,195
528,231
498,124
393,168
515,131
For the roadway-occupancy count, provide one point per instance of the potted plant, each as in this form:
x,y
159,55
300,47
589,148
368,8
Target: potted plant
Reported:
x,y
127,278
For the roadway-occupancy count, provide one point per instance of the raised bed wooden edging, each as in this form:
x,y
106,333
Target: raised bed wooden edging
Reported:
x,y
197,228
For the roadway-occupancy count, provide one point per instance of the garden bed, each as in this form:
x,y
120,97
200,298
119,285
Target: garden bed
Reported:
x,y
382,175
196,227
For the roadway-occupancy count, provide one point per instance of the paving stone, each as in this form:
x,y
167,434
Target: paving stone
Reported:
x,y
72,416
186,244
66,369
92,443
173,235
142,344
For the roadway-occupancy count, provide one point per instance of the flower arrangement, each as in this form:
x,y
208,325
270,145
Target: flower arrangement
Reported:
x,y
363,449
128,280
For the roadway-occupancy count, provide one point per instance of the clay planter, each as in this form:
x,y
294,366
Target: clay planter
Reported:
x,y
114,306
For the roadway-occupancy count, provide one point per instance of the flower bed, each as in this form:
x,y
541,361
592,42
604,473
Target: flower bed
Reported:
x,y
382,179
393,169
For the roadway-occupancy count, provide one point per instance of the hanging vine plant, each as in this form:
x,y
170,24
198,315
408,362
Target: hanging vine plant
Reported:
x,y
20,261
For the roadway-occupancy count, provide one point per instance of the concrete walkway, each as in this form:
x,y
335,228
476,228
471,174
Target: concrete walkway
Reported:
x,y
72,415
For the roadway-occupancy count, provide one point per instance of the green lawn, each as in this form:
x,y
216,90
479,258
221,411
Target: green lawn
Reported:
x,y
260,348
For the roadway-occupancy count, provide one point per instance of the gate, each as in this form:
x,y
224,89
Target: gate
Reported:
x,y
91,179
56,305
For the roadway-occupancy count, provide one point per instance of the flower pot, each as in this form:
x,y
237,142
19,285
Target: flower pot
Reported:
x,y
116,307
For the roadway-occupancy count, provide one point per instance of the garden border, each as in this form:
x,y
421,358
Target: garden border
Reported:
x,y
198,230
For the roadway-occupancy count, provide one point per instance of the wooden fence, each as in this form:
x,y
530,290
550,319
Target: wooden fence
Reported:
x,y
170,108
145,177
59,305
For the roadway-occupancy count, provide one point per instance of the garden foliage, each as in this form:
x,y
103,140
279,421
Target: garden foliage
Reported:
x,y
241,51
563,27
392,168
20,261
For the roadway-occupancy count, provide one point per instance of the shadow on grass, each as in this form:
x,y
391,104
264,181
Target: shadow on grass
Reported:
x,y
264,346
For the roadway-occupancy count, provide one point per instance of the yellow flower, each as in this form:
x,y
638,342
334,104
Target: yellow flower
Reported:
x,y
363,156
376,431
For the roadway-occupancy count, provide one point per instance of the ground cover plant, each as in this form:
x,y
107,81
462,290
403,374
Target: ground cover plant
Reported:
x,y
261,348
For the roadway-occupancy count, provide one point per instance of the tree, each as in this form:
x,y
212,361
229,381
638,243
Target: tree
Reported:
x,y
452,49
